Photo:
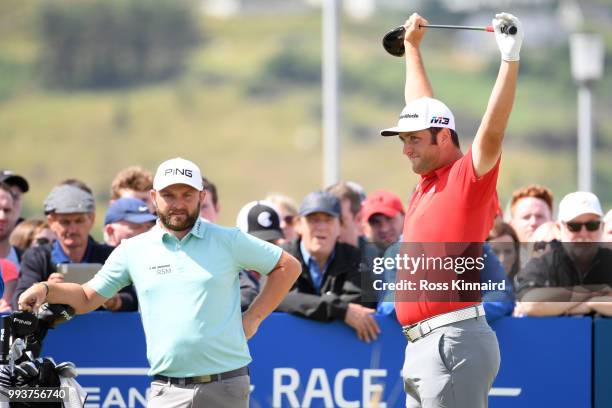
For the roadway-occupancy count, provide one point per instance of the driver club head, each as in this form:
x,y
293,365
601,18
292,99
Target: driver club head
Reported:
x,y
393,41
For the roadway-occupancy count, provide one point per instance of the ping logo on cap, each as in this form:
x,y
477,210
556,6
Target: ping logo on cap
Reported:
x,y
440,120
175,172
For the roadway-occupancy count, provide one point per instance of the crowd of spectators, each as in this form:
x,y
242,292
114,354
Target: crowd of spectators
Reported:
x,y
552,266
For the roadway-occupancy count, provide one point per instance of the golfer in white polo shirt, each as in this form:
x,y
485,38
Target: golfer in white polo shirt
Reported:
x,y
185,272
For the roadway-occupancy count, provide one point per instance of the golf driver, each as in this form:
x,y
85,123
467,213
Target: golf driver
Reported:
x,y
393,41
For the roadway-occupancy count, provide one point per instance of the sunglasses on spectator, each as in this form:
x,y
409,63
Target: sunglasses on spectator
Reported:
x,y
289,219
42,241
577,226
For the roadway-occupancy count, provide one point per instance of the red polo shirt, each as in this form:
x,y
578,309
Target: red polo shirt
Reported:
x,y
450,204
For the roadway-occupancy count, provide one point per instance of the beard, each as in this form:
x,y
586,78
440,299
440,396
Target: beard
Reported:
x,y
170,221
581,250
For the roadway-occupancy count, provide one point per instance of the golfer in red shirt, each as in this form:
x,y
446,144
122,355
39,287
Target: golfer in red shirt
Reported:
x,y
452,356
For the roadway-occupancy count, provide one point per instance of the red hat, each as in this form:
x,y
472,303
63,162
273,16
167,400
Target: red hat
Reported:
x,y
381,202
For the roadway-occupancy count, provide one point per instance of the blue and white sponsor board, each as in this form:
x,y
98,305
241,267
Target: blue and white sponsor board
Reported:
x,y
300,363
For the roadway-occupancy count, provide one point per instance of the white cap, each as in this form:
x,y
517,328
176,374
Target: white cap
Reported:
x,y
575,204
177,171
420,114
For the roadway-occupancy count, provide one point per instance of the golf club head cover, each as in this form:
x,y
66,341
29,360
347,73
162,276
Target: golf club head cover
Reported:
x,y
53,314
23,324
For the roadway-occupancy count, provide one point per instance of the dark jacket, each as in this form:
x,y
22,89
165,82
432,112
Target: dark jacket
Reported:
x,y
340,285
36,266
556,269
249,289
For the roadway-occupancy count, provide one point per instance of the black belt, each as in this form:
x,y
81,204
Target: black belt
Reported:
x,y
203,379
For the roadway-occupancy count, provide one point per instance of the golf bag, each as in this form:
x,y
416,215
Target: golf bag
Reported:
x,y
21,338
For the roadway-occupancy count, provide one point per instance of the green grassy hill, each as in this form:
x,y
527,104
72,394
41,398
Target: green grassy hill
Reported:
x,y
253,133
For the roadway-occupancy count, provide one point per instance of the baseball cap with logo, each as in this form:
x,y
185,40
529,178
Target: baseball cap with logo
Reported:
x,y
420,114
578,203
382,202
68,199
320,201
177,171
128,209
260,219
12,179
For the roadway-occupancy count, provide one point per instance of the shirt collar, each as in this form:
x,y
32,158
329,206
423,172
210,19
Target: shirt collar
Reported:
x,y
197,230
437,173
58,256
307,257
305,254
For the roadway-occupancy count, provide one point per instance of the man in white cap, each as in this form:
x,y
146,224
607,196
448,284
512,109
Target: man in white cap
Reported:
x,y
574,276
455,201
185,272
607,235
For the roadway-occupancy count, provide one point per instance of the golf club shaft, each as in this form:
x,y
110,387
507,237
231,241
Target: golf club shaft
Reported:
x,y
457,27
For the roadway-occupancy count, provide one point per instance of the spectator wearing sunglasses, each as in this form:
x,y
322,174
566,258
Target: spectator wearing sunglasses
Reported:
x,y
574,277
288,212
607,235
31,233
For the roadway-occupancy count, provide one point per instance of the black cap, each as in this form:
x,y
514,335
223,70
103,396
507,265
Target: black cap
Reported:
x,y
12,179
260,219
320,201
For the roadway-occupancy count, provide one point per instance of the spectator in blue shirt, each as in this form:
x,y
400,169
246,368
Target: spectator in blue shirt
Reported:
x,y
329,286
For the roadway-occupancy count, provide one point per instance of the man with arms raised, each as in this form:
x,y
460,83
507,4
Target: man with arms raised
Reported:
x,y
452,356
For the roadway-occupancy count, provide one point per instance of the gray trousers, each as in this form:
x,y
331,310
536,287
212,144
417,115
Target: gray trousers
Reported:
x,y
452,367
230,393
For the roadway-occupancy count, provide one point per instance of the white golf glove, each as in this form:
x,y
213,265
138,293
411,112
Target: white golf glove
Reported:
x,y
509,44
